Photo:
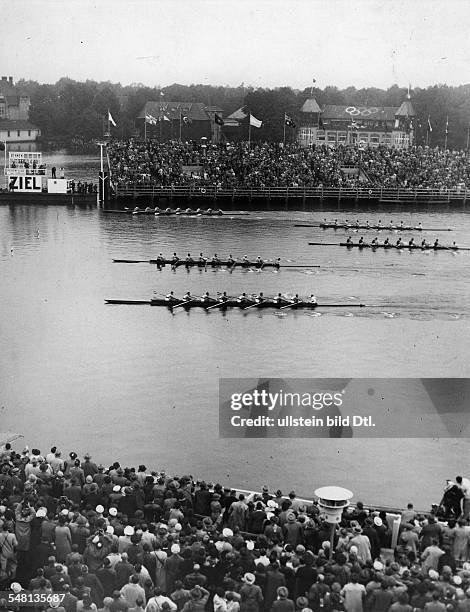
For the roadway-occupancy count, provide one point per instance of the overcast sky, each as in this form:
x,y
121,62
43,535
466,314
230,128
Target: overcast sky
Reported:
x,y
263,43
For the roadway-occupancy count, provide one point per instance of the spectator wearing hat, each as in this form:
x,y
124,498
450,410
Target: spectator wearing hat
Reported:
x,y
88,466
410,540
382,598
293,533
430,531
251,596
282,603
362,543
274,579
173,567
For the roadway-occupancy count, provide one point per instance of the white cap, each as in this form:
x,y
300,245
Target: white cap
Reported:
x,y
175,548
128,530
112,511
99,508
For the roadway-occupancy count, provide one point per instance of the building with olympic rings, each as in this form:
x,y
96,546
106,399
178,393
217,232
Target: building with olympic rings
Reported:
x,y
369,126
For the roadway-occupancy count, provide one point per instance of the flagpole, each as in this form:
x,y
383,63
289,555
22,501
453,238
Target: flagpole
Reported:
x,y
145,128
468,135
180,121
109,129
447,129
284,134
249,132
427,131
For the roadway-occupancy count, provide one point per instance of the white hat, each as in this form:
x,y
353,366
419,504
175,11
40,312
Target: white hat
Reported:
x,y
128,530
271,503
433,574
96,539
112,511
41,512
175,548
65,512
457,580
378,521
227,533
250,544
353,549
110,529
116,488
269,514
325,544
16,587
249,578
99,508
378,565
178,527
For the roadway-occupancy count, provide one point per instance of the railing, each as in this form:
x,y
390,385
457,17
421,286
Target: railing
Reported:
x,y
382,194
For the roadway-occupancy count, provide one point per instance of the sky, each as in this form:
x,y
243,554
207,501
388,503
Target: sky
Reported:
x,y
262,43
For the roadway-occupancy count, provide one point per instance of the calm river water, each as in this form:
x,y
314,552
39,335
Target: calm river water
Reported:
x,y
140,385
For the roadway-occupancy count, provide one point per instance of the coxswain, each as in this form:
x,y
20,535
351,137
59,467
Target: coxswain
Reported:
x,y
399,243
411,242
349,240
206,297
189,259
313,299
187,297
170,297
260,298
374,242
436,244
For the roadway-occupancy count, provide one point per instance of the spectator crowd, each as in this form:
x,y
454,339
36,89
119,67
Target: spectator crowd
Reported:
x,y
263,166
117,538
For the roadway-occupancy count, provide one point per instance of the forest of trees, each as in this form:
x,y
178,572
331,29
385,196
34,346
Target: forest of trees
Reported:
x,y
77,111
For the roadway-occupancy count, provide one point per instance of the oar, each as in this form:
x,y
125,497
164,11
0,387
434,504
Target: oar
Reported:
x,y
216,305
253,305
290,305
130,261
300,266
324,243
186,302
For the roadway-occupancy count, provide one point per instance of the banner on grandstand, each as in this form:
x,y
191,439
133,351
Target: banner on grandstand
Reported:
x,y
150,119
344,408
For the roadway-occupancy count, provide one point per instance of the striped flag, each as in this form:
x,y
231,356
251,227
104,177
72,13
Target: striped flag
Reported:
x,y
150,119
288,120
255,122
110,119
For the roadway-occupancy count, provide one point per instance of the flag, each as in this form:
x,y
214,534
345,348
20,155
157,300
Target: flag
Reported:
x,y
255,122
161,93
447,125
218,119
150,119
110,119
429,123
288,120
164,118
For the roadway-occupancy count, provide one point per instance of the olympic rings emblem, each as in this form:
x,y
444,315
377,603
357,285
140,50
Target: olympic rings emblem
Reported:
x,y
364,111
202,190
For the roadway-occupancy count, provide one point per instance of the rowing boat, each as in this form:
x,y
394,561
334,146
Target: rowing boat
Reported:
x,y
233,304
174,212
215,264
389,228
399,247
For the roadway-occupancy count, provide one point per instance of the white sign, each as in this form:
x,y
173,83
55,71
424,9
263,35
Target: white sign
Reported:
x,y
56,185
25,184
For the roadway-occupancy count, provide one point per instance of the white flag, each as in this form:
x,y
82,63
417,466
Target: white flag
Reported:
x,y
255,122
110,119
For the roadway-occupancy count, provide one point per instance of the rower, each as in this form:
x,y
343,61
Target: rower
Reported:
x,y
259,262
230,260
202,259
224,297
423,243
198,211
160,260
278,299
242,298
399,243
420,226
411,242
178,210
349,240
168,210
157,209
188,211
277,263
260,298
215,260
336,223
187,297
170,297
361,240
245,261
401,224
391,226
379,224
357,223
189,259
436,244
367,224
209,211
175,259
313,299
374,242
386,242
296,299
206,297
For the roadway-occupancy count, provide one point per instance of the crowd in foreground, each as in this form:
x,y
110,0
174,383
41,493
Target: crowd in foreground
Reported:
x,y
272,165
78,537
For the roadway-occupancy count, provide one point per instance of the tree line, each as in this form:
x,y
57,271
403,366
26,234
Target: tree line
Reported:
x,y
76,112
